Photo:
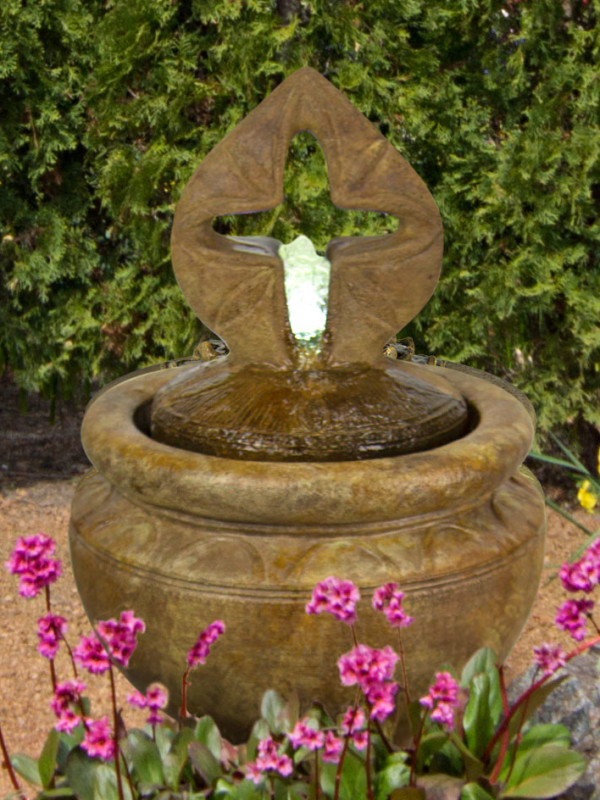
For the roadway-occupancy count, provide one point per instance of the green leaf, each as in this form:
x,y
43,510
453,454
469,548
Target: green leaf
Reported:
x,y
544,772
472,791
483,711
207,733
484,660
92,779
353,782
27,767
260,731
47,761
144,757
244,790
58,793
557,462
535,700
394,775
204,762
428,746
270,709
174,760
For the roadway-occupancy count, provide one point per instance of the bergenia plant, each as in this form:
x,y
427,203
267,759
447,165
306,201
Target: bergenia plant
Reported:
x,y
466,740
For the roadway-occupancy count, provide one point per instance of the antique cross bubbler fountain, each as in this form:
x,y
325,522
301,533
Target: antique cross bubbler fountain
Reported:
x,y
227,489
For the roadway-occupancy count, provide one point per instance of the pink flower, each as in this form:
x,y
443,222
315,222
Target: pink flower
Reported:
x,y
66,695
336,597
332,748
120,636
365,665
201,650
442,699
360,739
381,700
91,655
572,615
581,576
549,658
253,772
304,735
98,741
268,759
354,720
156,698
389,600
32,561
51,629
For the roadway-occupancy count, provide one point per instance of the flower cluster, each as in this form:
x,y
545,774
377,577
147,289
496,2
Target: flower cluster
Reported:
x,y
155,699
201,649
51,629
549,658
268,759
335,596
388,599
33,561
442,699
372,670
67,695
581,576
98,740
117,639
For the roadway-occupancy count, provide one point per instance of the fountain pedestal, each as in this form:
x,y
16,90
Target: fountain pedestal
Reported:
x,y
228,489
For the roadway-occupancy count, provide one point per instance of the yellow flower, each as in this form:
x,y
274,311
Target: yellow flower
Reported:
x,y
586,498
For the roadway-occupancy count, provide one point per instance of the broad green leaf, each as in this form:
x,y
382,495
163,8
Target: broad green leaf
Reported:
x,y
244,790
260,731
483,711
105,783
174,760
144,757
204,762
47,760
445,787
394,775
27,767
473,766
544,772
353,782
484,660
80,774
535,700
270,709
472,791
207,733
428,746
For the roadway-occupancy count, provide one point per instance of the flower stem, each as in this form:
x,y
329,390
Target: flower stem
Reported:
x,y
317,787
338,772
52,668
354,639
113,695
404,678
527,694
9,766
416,744
183,712
370,795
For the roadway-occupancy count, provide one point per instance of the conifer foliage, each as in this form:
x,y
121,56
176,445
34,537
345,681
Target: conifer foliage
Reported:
x,y
107,107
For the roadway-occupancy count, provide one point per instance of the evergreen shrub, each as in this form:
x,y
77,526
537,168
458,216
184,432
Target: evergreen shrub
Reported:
x,y
108,107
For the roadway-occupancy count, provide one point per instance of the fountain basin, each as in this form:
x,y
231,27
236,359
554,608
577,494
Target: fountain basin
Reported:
x,y
184,538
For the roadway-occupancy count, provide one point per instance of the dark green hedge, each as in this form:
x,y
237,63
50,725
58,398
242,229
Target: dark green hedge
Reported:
x,y
108,107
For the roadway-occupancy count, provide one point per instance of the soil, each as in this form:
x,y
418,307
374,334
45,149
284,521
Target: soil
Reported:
x,y
40,465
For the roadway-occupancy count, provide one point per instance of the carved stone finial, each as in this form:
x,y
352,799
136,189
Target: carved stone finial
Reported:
x,y
236,285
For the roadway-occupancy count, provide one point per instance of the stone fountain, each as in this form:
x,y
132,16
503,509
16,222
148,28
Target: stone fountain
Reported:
x,y
226,489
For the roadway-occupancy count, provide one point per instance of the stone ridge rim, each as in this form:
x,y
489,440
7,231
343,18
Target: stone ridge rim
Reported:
x,y
458,474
